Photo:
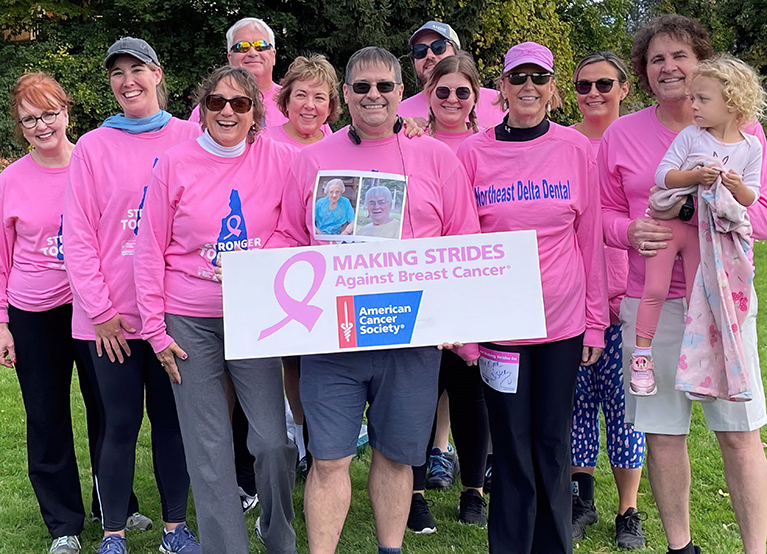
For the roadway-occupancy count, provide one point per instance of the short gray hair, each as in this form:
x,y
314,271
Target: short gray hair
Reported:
x,y
379,191
373,55
248,22
333,182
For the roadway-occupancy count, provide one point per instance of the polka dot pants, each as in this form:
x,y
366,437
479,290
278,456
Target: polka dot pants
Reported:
x,y
602,384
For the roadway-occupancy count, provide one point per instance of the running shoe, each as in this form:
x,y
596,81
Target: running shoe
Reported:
x,y
642,376
420,519
68,544
248,502
180,541
583,515
138,522
443,468
113,544
628,529
471,510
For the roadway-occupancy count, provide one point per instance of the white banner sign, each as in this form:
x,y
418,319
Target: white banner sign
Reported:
x,y
383,294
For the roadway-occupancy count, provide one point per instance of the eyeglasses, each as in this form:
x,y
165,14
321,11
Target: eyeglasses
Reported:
x,y
258,45
30,121
363,87
438,47
239,104
443,93
583,86
536,78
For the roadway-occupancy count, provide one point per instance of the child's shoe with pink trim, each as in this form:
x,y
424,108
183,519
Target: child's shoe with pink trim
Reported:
x,y
642,376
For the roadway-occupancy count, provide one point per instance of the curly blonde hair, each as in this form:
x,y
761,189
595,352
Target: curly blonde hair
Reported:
x,y
741,86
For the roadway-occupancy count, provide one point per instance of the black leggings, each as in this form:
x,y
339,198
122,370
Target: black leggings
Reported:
x,y
531,505
122,392
468,420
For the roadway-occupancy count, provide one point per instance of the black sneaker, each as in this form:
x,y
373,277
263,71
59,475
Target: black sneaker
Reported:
x,y
472,508
695,547
443,468
583,515
628,529
420,519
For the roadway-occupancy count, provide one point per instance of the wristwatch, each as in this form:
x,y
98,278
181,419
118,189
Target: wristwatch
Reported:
x,y
688,209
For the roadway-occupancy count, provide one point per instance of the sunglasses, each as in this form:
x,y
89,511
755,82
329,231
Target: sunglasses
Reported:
x,y
536,78
258,45
362,87
583,86
239,104
30,121
443,93
438,47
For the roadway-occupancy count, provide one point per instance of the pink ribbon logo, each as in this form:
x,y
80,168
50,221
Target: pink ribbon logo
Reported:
x,y
303,312
233,228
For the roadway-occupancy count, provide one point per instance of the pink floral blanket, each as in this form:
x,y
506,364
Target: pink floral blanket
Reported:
x,y
712,361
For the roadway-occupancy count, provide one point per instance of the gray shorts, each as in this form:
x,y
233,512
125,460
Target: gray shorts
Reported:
x,y
668,411
400,387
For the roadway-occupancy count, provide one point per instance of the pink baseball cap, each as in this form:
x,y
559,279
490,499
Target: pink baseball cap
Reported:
x,y
529,52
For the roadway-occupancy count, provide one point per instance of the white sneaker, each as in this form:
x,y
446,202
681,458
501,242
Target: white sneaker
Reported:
x,y
68,544
248,502
138,522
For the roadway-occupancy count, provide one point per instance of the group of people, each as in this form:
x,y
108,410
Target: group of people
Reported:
x,y
110,255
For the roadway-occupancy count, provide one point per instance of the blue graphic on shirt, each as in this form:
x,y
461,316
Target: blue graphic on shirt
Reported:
x,y
143,199
387,318
60,253
233,233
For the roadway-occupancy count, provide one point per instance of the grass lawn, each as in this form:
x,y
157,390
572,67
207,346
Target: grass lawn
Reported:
x,y
22,529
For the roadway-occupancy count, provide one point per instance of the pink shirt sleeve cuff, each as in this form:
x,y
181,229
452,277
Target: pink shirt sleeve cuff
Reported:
x,y
4,315
623,234
468,352
103,318
160,342
594,338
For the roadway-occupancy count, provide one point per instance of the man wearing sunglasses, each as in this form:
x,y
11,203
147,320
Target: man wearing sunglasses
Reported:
x,y
428,45
250,45
399,385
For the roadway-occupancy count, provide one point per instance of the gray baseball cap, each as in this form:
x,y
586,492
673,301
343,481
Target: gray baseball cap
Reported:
x,y
135,47
442,29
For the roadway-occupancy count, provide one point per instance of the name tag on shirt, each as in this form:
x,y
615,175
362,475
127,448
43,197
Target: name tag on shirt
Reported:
x,y
499,370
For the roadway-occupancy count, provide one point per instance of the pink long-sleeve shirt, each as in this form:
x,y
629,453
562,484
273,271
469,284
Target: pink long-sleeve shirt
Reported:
x,y
197,205
32,275
488,114
439,200
632,148
106,184
548,184
272,113
278,133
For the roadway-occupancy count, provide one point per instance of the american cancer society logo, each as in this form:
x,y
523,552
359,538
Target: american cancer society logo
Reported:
x,y
377,319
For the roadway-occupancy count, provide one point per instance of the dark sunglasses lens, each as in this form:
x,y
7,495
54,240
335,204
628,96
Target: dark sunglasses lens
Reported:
x,y
604,85
241,47
438,46
517,78
385,86
361,88
419,51
442,92
463,93
583,87
215,103
540,78
241,104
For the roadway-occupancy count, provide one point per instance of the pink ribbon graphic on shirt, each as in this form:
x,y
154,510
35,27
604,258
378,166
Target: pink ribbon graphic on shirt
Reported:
x,y
303,312
233,229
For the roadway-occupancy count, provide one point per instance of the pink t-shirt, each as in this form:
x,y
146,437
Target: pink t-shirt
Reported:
x,y
278,133
439,199
106,186
272,114
488,114
32,275
197,205
632,148
453,140
548,184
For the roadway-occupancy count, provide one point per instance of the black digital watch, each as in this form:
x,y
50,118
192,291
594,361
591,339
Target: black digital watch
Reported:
x,y
688,209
